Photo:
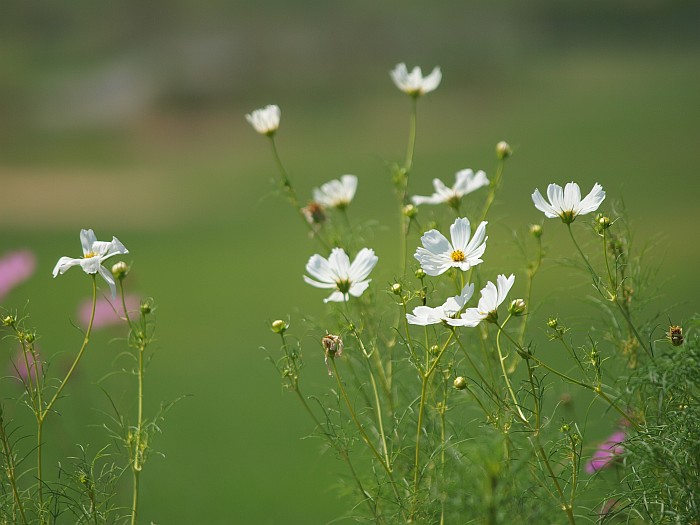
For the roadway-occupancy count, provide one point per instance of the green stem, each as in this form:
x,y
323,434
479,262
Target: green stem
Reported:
x,y
10,468
502,359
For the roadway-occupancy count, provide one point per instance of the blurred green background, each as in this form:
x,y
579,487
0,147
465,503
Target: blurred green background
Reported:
x,y
128,118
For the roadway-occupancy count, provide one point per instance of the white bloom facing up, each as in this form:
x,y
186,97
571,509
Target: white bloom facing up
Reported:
x,y
567,203
265,120
466,181
338,274
94,254
336,193
414,83
424,315
439,255
491,298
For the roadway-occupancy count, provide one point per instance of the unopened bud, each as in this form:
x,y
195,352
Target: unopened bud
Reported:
x,y
120,270
516,307
29,337
396,288
279,326
420,273
460,383
435,349
503,150
9,320
565,428
536,230
552,322
410,211
146,307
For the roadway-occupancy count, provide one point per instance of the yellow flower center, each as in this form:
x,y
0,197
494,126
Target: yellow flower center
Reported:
x,y
458,256
89,255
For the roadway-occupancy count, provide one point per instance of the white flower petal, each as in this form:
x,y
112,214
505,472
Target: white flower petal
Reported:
x,y
336,297
357,289
432,81
339,263
87,239
460,231
592,201
435,242
318,284
107,276
319,268
362,265
543,205
572,196
555,194
504,286
63,264
470,318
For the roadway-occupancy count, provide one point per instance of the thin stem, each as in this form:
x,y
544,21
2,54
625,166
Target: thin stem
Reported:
x,y
528,294
10,467
502,359
612,295
403,188
410,150
566,506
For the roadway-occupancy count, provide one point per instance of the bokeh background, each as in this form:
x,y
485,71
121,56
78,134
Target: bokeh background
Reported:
x,y
128,118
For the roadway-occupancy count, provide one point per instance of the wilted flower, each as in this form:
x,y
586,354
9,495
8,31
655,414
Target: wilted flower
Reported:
x,y
466,182
15,268
333,347
94,254
424,315
337,273
607,453
336,193
314,213
439,255
567,203
106,312
675,335
265,120
413,83
491,298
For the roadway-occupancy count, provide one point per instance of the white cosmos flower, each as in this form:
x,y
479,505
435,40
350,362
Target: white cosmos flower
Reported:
x,y
265,120
491,298
414,83
336,193
94,254
567,203
424,315
337,273
466,181
439,255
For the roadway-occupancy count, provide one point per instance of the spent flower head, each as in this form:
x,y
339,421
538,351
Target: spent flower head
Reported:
x,y
466,181
94,254
424,315
265,121
439,255
566,203
338,274
413,83
333,347
337,193
492,295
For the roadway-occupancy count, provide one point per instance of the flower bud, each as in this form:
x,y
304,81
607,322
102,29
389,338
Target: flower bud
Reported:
x,y
460,383
410,210
396,288
552,322
675,335
435,349
536,230
29,337
503,150
565,428
120,270
9,320
146,307
279,326
420,273
516,307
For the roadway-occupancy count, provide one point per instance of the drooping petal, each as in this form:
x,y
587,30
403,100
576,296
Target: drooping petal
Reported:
x,y
433,199
336,297
424,315
107,276
362,265
592,200
63,264
317,284
358,288
460,231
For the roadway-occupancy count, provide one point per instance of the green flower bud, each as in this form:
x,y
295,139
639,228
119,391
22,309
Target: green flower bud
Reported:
x,y
279,326
9,320
552,322
120,270
460,383
536,230
516,307
396,288
435,349
503,150
420,273
410,211
146,307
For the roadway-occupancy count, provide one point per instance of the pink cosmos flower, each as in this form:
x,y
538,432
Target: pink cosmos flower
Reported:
x,y
15,268
607,452
107,312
